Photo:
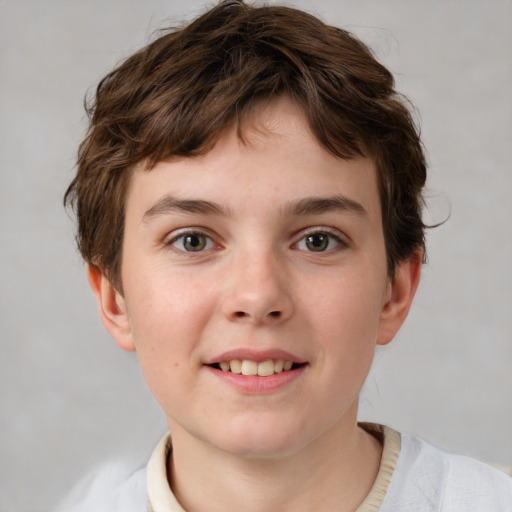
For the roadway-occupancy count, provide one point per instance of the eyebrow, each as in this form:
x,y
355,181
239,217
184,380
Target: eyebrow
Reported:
x,y
170,204
317,205
300,207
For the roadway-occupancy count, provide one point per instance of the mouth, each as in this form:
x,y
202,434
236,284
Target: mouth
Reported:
x,y
254,368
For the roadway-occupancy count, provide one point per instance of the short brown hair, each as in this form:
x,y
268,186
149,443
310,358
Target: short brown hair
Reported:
x,y
176,96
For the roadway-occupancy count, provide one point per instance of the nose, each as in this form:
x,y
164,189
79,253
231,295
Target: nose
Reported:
x,y
258,291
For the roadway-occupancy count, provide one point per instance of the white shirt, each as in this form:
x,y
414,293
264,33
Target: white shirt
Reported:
x,y
413,477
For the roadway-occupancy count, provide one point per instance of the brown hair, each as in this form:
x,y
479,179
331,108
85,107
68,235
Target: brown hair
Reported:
x,y
177,95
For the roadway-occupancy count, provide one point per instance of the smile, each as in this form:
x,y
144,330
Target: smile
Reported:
x,y
252,368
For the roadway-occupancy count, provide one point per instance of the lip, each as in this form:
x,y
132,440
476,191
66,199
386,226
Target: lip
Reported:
x,y
255,385
255,355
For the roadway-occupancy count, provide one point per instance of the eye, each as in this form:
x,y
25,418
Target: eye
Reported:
x,y
319,241
192,242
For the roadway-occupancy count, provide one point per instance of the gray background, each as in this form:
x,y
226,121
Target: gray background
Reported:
x,y
70,398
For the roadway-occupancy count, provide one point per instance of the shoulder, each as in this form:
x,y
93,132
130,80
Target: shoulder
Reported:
x,y
111,488
426,478
471,483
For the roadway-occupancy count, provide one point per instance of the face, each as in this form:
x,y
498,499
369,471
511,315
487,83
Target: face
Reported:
x,y
244,262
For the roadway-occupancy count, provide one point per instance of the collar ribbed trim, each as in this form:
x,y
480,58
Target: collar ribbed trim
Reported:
x,y
390,452
160,495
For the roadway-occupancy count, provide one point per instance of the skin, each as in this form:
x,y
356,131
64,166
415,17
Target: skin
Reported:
x,y
257,285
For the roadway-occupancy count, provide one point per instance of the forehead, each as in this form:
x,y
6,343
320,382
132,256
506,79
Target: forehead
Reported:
x,y
274,157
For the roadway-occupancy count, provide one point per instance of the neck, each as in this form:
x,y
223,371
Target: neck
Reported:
x,y
334,472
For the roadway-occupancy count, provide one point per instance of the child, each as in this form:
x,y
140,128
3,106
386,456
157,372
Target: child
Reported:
x,y
249,205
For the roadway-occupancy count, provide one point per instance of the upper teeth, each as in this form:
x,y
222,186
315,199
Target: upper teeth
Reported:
x,y
248,367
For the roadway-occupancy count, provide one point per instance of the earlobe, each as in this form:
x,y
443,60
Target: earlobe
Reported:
x,y
399,298
112,308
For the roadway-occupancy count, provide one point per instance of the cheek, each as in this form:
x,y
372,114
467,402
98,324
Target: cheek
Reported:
x,y
346,325
348,307
165,332
159,298
166,316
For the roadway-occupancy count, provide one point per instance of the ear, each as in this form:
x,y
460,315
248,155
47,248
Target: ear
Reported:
x,y
112,308
401,291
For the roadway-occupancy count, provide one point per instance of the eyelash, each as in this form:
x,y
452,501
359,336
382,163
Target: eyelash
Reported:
x,y
331,236
208,241
205,242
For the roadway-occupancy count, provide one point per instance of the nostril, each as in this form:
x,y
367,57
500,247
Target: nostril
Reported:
x,y
244,314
